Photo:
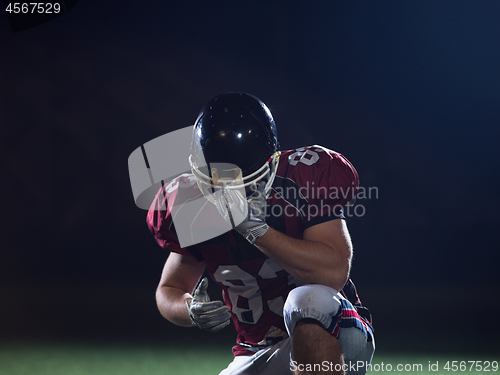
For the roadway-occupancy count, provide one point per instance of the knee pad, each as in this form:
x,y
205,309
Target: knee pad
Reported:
x,y
315,301
326,306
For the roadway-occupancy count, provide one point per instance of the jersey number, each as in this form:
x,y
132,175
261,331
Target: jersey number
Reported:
x,y
307,157
244,291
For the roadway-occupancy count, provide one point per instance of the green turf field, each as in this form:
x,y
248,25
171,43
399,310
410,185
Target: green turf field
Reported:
x,y
149,359
109,359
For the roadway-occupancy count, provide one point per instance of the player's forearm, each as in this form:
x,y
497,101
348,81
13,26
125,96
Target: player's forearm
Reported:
x,y
171,303
309,261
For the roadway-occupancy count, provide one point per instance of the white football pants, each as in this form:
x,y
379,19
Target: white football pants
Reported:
x,y
317,302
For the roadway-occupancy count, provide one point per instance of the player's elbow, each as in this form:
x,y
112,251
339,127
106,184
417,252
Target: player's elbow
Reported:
x,y
333,277
337,282
338,276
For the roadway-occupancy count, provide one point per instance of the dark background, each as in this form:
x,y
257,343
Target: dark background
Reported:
x,y
408,91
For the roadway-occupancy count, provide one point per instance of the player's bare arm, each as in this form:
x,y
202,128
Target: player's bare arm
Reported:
x,y
176,303
323,256
180,275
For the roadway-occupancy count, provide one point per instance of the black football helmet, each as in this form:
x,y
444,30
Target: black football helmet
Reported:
x,y
236,129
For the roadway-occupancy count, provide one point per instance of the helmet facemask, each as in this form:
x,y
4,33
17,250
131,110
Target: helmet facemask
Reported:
x,y
228,176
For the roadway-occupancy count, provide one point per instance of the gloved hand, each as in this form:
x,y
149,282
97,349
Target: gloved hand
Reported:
x,y
208,315
247,216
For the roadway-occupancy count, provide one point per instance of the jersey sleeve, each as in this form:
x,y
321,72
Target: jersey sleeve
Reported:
x,y
327,181
159,218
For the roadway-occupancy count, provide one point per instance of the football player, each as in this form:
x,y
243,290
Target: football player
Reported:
x,y
284,263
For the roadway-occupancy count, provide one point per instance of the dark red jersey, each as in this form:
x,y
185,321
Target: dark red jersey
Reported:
x,y
312,185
